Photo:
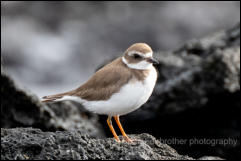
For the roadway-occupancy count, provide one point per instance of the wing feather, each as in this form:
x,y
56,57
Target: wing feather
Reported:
x,y
105,82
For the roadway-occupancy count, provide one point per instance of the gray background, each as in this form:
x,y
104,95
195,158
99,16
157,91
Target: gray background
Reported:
x,y
51,47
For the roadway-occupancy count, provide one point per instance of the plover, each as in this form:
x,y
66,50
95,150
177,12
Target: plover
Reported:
x,y
118,88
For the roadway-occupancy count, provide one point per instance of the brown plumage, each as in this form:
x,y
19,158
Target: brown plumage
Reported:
x,y
140,47
104,82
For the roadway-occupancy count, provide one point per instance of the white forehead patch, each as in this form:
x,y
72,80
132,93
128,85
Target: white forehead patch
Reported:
x,y
147,55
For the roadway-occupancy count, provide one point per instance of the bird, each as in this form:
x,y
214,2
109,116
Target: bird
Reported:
x,y
120,87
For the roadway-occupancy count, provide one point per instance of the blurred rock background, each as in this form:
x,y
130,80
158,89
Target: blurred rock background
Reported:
x,y
55,46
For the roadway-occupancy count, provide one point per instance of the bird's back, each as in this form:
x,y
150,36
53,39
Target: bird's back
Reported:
x,y
101,85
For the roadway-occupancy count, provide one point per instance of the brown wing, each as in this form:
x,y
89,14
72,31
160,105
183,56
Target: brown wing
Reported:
x,y
101,85
105,82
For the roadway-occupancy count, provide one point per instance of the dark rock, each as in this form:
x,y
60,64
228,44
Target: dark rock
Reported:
x,y
20,108
197,96
28,143
210,158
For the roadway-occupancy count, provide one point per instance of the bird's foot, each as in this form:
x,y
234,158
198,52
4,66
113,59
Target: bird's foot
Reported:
x,y
127,139
117,140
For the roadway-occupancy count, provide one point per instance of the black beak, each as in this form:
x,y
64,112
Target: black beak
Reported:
x,y
153,61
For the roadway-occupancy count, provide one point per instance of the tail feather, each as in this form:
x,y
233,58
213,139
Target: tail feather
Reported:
x,y
55,97
48,100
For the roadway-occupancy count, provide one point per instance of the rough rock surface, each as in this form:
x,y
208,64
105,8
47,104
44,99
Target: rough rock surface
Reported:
x,y
28,143
197,95
20,108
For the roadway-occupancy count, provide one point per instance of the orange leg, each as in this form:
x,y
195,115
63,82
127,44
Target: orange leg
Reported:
x,y
112,129
121,129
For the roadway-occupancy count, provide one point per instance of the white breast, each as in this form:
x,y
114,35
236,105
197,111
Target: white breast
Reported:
x,y
130,97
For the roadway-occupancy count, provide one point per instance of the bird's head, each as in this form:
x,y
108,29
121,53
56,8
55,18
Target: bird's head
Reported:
x,y
139,56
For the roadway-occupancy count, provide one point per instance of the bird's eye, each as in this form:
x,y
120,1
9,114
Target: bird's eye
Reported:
x,y
136,56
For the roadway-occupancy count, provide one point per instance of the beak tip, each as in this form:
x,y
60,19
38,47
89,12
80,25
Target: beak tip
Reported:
x,y
155,61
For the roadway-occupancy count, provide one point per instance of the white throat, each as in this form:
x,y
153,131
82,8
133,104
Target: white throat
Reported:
x,y
143,65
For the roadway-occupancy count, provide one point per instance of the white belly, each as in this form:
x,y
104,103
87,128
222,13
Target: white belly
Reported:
x,y
130,97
